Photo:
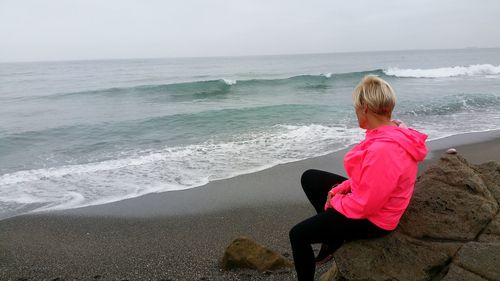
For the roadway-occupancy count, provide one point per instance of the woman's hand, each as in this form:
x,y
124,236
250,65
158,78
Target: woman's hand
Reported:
x,y
335,191
343,189
331,193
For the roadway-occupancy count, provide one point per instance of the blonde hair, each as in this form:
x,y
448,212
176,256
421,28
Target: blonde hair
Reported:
x,y
375,93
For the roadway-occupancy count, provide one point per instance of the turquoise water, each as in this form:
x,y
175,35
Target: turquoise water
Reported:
x,y
89,132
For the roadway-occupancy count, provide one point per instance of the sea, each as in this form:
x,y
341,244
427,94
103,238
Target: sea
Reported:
x,y
81,133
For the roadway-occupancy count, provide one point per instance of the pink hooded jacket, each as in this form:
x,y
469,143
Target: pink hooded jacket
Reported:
x,y
382,171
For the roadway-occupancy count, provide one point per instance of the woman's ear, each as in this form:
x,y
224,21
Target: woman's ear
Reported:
x,y
365,109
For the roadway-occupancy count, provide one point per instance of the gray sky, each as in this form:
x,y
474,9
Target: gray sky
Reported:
x,y
32,30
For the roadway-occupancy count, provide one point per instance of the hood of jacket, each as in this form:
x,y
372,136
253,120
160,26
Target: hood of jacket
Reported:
x,y
409,139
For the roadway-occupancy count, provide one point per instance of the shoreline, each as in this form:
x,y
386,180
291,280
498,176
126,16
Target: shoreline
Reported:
x,y
150,204
332,161
181,235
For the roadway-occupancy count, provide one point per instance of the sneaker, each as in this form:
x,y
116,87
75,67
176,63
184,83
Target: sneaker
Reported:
x,y
325,254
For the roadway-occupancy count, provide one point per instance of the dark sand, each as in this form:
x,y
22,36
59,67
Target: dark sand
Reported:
x,y
181,235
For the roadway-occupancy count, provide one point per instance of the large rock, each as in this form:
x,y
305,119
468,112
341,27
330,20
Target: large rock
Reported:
x,y
490,172
394,257
492,232
457,273
482,259
246,253
450,231
451,201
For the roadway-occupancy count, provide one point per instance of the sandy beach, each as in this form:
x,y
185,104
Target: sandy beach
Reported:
x,y
181,235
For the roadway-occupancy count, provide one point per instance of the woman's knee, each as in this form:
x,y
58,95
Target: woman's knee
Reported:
x,y
308,176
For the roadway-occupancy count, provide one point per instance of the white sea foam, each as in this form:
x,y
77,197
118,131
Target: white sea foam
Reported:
x,y
486,70
171,168
229,81
327,75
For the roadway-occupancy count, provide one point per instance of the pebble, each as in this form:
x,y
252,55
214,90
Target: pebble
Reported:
x,y
451,151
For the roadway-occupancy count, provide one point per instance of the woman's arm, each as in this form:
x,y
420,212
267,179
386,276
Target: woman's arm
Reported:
x,y
380,174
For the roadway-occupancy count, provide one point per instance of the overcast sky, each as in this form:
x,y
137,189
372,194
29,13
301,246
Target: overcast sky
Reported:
x,y
32,30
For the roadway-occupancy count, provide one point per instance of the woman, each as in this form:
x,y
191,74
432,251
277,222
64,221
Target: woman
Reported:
x,y
382,170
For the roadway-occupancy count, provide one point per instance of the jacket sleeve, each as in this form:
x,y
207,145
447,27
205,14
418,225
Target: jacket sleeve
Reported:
x,y
379,177
343,187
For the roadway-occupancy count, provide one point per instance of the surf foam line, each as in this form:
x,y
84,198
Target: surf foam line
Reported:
x,y
171,168
485,70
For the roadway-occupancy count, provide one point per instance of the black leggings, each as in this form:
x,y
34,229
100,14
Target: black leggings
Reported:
x,y
329,227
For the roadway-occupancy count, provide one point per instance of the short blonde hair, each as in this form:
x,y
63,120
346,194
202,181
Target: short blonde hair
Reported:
x,y
375,93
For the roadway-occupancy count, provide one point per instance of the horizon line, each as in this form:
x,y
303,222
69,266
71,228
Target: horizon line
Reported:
x,y
240,56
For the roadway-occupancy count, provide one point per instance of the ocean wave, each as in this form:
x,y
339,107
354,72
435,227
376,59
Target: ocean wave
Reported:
x,y
452,104
170,168
216,88
210,88
442,72
87,137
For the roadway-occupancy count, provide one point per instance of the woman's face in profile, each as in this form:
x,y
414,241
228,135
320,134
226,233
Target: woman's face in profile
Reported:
x,y
361,115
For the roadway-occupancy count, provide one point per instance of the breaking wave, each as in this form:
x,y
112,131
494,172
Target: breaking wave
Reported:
x,y
471,70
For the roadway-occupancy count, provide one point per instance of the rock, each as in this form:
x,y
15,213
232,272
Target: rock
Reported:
x,y
490,172
451,201
482,259
246,253
457,273
492,232
450,230
393,257
331,275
